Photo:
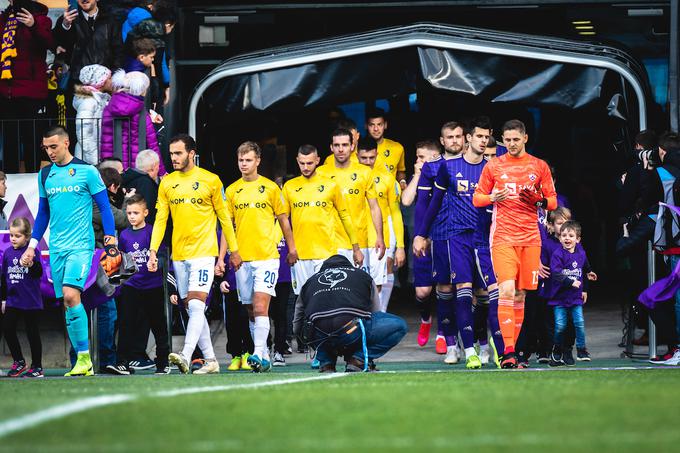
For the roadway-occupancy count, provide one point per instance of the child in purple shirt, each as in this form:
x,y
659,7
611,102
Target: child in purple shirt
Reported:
x,y
569,270
20,295
142,295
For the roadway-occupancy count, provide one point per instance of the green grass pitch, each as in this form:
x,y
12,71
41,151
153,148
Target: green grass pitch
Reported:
x,y
406,410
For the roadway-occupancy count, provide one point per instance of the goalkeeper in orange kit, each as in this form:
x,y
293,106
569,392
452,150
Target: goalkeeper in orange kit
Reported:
x,y
517,184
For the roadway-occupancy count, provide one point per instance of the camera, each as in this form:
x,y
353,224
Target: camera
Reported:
x,y
651,155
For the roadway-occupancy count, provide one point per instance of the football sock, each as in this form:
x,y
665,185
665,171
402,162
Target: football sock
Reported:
x,y
196,309
445,317
496,334
464,317
470,352
506,319
425,309
519,318
77,328
386,292
205,342
261,330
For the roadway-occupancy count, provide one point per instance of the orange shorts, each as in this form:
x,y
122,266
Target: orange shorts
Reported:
x,y
517,263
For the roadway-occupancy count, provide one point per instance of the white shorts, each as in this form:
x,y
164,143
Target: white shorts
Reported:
x,y
256,277
392,246
302,270
349,254
378,267
194,275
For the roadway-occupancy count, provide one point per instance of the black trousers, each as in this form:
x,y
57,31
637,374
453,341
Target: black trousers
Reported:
x,y
31,320
278,311
239,340
138,309
538,328
21,131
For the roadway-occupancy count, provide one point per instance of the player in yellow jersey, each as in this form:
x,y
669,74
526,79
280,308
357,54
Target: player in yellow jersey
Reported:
x,y
387,191
358,190
390,153
194,198
314,202
256,203
351,126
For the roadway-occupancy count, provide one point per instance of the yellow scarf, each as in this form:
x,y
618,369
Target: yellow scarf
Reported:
x,y
8,50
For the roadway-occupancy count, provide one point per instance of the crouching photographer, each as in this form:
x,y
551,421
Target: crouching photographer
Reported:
x,y
337,313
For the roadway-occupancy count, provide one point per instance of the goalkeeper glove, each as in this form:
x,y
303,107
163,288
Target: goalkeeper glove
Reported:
x,y
111,258
532,198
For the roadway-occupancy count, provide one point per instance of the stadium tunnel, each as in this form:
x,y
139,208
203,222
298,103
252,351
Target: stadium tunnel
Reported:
x,y
582,103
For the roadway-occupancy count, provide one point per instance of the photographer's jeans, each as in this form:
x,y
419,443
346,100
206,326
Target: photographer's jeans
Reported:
x,y
674,262
383,332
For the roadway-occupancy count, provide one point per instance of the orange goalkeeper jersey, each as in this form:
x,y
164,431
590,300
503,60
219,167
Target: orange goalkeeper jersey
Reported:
x,y
515,222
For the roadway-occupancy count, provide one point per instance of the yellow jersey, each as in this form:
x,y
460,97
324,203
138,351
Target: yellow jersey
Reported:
x,y
391,156
356,184
195,199
387,191
330,160
314,203
254,206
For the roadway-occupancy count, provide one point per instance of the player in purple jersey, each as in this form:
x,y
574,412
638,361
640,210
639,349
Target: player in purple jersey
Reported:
x,y
20,296
456,181
569,271
423,280
142,295
453,141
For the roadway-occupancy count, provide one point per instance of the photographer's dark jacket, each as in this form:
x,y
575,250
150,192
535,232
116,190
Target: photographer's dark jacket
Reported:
x,y
335,295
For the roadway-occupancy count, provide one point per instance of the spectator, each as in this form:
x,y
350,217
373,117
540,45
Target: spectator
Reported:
x,y
89,35
26,37
3,203
111,162
127,103
141,56
143,180
90,100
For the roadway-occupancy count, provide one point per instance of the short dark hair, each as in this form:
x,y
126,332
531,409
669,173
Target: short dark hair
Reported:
x,y
347,123
514,125
246,147
367,144
670,142
481,122
142,46
571,225
56,130
135,199
110,176
647,139
375,113
186,139
307,149
429,144
450,125
492,142
339,132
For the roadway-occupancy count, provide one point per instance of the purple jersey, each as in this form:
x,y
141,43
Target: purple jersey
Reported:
x,y
284,268
20,284
439,229
459,178
565,269
137,243
483,230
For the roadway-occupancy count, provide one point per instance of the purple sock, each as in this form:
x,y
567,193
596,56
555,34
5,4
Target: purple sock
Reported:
x,y
493,322
446,321
425,307
464,317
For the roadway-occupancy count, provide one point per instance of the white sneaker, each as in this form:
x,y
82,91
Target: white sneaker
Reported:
x,y
484,356
675,360
278,360
451,355
180,361
209,367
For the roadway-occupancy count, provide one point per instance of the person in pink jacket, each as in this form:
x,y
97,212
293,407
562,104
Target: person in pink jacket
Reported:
x,y
127,102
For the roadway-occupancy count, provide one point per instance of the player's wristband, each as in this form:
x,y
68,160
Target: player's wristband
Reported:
x,y
33,243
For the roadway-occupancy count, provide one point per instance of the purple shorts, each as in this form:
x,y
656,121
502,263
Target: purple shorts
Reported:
x,y
462,257
484,274
422,271
441,262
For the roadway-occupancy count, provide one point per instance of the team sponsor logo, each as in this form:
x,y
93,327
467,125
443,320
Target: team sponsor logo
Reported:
x,y
261,189
321,188
71,171
332,277
354,176
195,185
463,185
512,187
192,200
63,189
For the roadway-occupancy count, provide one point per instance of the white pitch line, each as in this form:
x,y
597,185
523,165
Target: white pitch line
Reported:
x,y
63,410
